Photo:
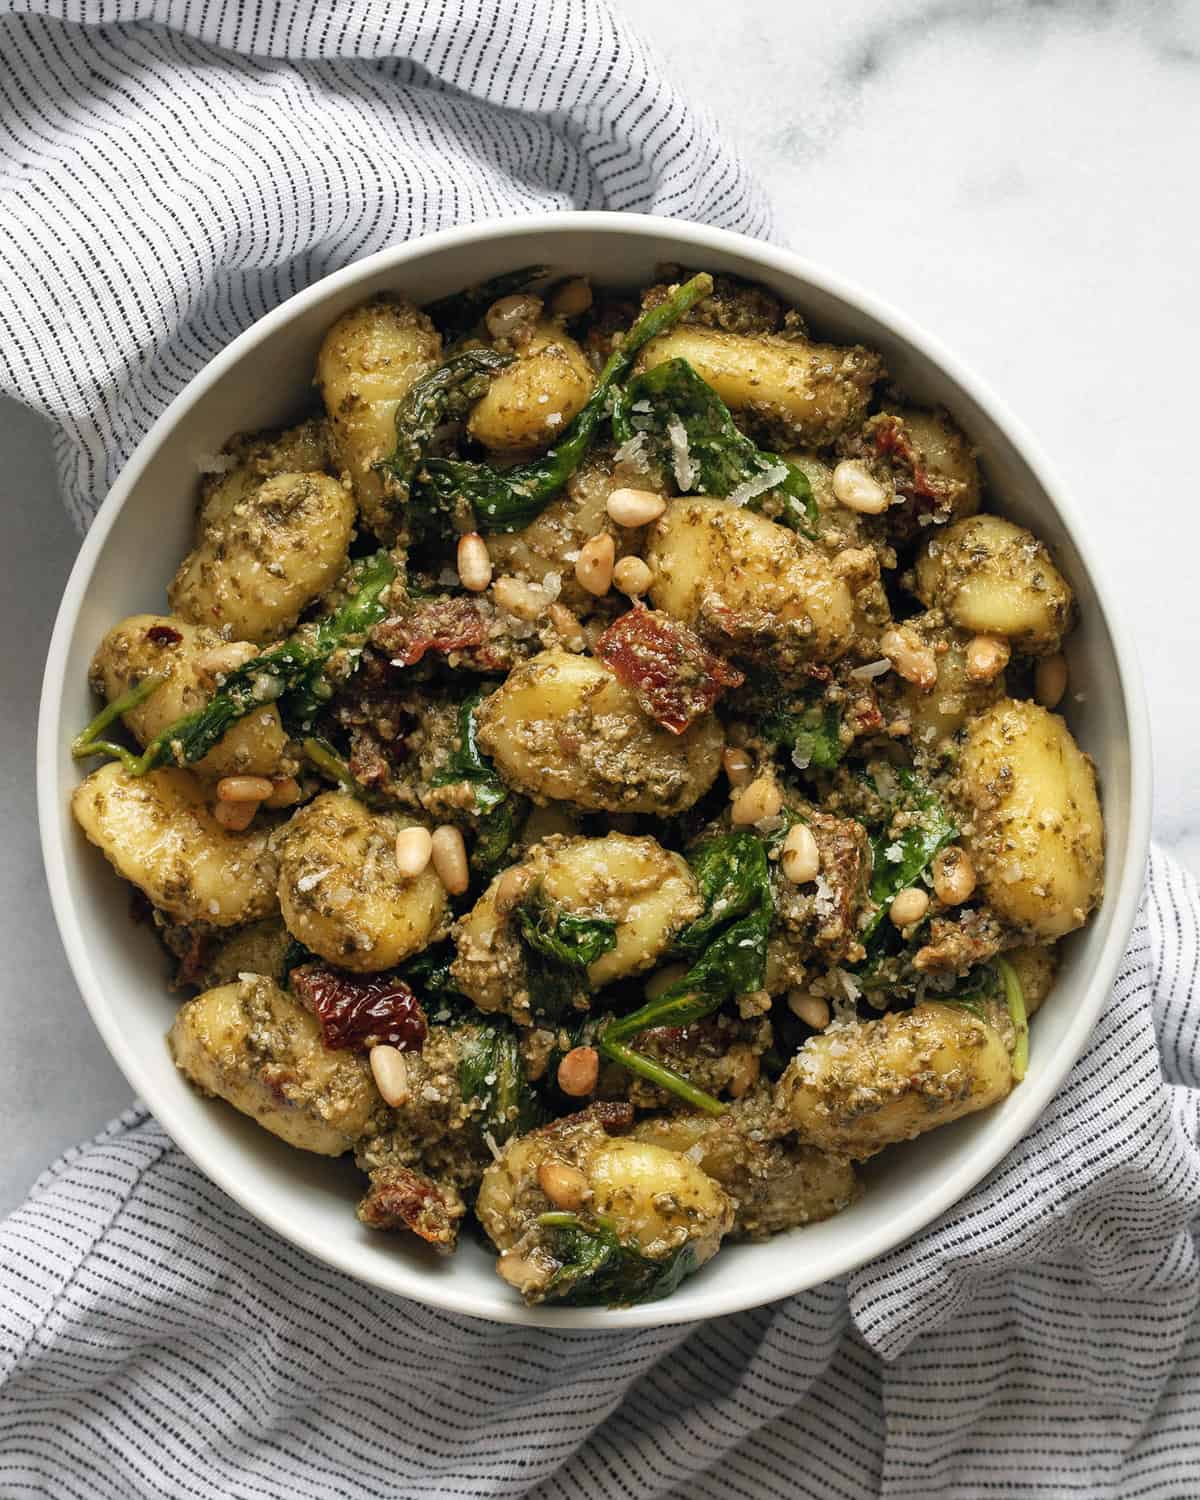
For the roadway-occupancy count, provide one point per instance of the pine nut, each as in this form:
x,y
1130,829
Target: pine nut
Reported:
x,y
908,906
565,1186
569,629
1050,680
987,656
800,857
572,299
913,661
414,849
810,1009
244,788
858,489
594,566
953,876
450,859
285,792
508,315
661,981
511,889
632,576
761,799
474,562
390,1071
635,507
578,1071
235,816
520,599
739,768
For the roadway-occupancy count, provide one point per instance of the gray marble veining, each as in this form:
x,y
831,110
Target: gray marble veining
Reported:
x,y
1018,176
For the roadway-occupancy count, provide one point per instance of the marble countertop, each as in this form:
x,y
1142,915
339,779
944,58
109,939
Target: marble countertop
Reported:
x,y
1016,176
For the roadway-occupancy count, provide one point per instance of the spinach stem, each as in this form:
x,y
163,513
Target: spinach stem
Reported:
x,y
89,743
1015,997
659,1073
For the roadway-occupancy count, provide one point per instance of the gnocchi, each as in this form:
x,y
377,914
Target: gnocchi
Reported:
x,y
190,658
647,892
367,363
995,578
531,402
563,728
252,1045
743,582
159,833
1038,839
342,894
258,565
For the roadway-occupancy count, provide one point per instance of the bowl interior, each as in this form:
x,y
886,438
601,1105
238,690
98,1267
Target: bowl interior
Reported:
x,y
144,530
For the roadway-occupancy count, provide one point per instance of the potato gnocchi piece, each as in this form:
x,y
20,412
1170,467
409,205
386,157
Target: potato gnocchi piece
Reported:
x,y
656,1201
936,716
856,1088
747,584
1036,965
146,644
995,578
253,1045
258,565
543,552
646,890
774,1184
366,364
561,727
811,392
158,832
341,893
249,459
1029,794
529,403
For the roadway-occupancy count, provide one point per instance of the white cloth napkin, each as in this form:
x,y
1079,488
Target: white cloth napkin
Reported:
x,y
171,169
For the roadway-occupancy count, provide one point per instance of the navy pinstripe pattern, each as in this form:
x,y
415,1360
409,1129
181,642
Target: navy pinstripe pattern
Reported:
x,y
172,169
1042,1339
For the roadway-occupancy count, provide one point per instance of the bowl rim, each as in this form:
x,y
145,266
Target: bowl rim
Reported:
x,y
1117,914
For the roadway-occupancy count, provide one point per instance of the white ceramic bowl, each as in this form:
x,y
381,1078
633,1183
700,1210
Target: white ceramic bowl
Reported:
x,y
131,552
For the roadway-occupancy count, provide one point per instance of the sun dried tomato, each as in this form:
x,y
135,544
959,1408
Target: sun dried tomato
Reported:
x,y
675,676
449,624
357,1012
892,441
400,1198
163,635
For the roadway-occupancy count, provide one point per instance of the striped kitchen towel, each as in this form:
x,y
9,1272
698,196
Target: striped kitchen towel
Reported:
x,y
1041,1338
171,169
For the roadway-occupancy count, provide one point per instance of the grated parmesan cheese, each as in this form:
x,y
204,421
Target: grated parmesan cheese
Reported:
x,y
749,489
681,458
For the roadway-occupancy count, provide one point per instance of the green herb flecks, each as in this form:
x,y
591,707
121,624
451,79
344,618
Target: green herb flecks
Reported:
x,y
596,1269
509,499
461,311
694,433
302,671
